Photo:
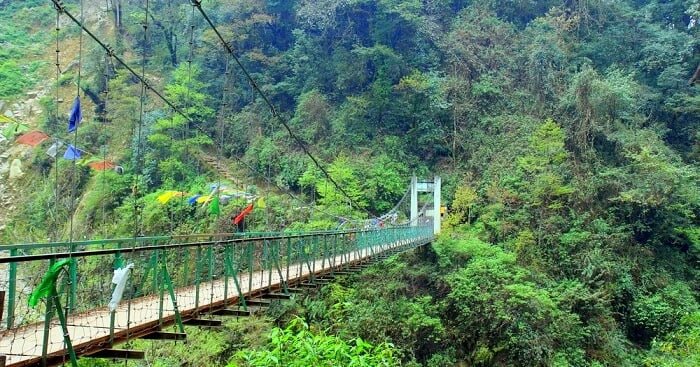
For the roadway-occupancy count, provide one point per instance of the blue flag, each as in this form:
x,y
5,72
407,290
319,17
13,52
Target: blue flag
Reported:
x,y
193,200
72,153
76,115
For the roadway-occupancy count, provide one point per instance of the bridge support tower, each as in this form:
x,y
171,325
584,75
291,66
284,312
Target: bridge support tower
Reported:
x,y
435,187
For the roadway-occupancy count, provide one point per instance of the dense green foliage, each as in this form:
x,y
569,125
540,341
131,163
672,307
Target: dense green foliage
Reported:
x,y
297,346
566,133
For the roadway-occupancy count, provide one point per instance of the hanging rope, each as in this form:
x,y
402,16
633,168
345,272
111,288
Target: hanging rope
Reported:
x,y
56,111
220,145
137,168
105,111
77,127
139,131
188,99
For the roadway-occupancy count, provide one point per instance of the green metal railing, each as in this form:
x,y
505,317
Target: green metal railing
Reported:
x,y
174,278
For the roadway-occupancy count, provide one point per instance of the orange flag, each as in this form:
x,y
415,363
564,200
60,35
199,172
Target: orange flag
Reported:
x,y
242,215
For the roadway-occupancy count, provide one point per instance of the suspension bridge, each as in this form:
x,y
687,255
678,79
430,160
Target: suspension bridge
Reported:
x,y
177,281
64,300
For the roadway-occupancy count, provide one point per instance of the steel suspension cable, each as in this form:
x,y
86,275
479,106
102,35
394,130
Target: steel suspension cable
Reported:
x,y
222,119
137,168
72,279
190,59
76,128
56,101
287,192
273,110
145,84
105,112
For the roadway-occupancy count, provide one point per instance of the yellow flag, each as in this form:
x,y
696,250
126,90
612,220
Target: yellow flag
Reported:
x,y
165,197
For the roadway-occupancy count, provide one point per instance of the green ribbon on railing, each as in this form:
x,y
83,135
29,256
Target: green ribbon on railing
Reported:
x,y
48,282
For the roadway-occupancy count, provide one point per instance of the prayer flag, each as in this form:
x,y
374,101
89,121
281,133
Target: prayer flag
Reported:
x,y
76,115
72,153
214,206
165,197
119,278
48,283
242,215
53,149
193,200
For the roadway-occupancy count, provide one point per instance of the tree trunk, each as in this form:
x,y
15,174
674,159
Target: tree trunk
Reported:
x,y
171,42
117,10
696,77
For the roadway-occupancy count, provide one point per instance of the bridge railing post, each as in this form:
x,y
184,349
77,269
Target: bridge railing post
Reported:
x,y
11,291
249,246
197,276
289,258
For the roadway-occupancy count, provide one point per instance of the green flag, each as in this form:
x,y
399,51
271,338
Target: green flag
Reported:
x,y
214,206
48,283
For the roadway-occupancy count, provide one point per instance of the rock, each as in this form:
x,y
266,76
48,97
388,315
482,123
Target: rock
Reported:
x,y
32,94
33,107
4,168
9,114
2,105
73,65
16,169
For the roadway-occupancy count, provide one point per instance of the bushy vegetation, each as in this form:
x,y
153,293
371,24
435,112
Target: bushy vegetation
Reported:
x,y
298,346
566,133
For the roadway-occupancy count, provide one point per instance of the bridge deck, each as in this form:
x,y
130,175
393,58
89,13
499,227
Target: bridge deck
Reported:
x,y
90,331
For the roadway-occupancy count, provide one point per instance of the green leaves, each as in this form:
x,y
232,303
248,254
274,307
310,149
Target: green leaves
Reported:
x,y
376,184
299,346
496,311
679,349
655,315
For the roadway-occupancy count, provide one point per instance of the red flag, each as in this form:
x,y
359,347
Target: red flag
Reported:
x,y
245,212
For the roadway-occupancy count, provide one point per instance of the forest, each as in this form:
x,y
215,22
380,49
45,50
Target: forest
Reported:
x,y
567,133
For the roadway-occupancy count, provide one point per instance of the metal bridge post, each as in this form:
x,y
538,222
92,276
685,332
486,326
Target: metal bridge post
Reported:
x,y
197,272
168,282
278,255
73,269
47,323
234,270
64,328
187,267
437,192
210,258
227,272
269,261
299,258
325,254
249,257
289,257
11,291
414,201
314,256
